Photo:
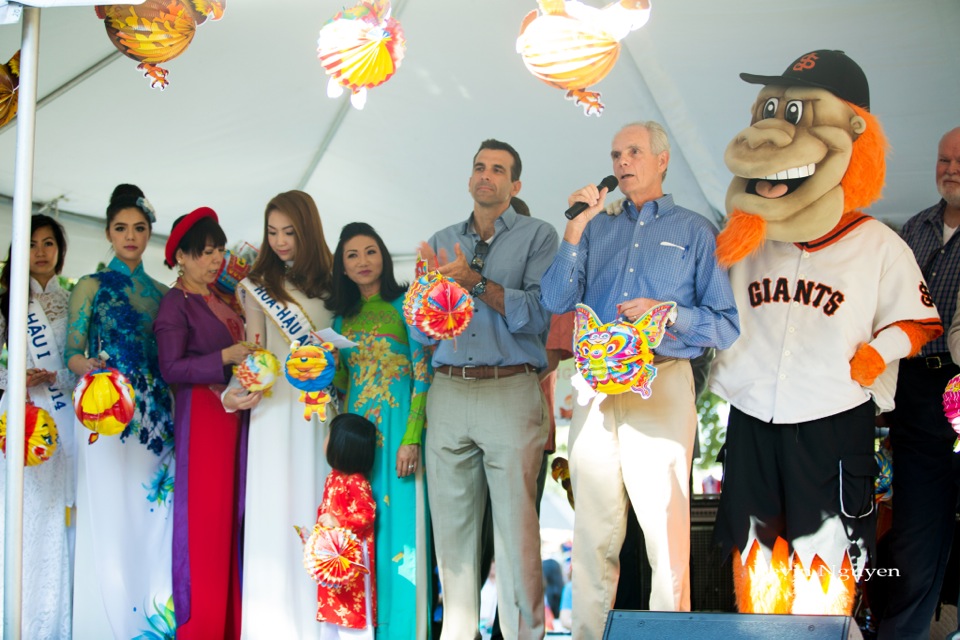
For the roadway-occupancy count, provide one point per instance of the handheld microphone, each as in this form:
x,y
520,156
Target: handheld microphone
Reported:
x,y
610,182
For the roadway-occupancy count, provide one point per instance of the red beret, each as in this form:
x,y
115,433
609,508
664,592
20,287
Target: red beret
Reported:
x,y
180,229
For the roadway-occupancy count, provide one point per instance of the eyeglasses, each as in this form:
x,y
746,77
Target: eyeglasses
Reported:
x,y
479,253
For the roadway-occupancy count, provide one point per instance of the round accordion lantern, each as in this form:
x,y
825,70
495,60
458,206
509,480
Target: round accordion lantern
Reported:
x,y
566,53
40,435
333,557
951,406
103,401
258,371
362,46
438,306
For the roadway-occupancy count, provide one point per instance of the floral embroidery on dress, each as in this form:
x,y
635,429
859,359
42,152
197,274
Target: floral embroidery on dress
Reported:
x,y
161,486
163,622
113,311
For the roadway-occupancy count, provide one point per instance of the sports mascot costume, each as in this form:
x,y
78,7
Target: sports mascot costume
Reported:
x,y
830,300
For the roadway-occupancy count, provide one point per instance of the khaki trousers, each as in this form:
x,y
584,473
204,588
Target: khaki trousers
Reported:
x,y
486,435
621,447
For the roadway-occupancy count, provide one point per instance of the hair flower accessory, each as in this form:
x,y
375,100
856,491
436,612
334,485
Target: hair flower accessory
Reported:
x,y
144,205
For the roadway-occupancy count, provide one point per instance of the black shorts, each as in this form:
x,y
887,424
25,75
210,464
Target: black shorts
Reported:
x,y
809,483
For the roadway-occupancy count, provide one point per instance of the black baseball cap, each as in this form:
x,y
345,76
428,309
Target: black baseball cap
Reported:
x,y
824,69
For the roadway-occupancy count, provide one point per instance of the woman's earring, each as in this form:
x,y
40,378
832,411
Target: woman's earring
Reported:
x,y
179,269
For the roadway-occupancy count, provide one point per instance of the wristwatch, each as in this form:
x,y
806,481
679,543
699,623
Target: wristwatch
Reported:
x,y
480,288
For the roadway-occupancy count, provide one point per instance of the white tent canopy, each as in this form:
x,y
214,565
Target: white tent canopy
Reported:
x,y
246,115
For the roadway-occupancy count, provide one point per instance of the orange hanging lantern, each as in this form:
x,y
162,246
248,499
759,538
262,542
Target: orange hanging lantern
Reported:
x,y
40,435
103,402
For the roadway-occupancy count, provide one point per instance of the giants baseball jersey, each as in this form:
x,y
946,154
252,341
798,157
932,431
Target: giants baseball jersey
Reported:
x,y
805,308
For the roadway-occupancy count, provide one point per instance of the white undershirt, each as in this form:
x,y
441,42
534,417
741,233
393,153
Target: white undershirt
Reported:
x,y
948,232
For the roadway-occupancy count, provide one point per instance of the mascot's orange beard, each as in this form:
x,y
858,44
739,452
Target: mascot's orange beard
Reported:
x,y
862,183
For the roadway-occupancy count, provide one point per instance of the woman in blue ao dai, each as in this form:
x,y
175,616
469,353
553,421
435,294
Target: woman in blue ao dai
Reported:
x,y
125,482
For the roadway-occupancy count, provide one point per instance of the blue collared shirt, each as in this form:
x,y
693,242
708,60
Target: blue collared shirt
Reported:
x,y
939,262
663,252
520,251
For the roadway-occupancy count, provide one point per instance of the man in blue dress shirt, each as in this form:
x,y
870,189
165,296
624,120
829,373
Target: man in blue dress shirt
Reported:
x,y
484,409
640,251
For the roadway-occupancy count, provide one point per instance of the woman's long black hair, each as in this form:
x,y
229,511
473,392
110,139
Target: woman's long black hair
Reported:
x,y
346,300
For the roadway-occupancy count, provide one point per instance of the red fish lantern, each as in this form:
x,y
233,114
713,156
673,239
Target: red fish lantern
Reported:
x,y
40,435
103,402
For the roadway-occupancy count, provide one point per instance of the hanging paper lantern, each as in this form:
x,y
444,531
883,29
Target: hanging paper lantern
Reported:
x,y
333,557
156,31
9,84
258,371
574,46
360,48
310,368
438,306
951,405
40,435
618,356
103,402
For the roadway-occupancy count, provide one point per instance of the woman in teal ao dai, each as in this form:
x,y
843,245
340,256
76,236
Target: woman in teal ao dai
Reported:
x,y
123,584
385,378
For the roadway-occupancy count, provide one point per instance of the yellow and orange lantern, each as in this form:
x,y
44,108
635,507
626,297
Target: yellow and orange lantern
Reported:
x,y
40,435
103,402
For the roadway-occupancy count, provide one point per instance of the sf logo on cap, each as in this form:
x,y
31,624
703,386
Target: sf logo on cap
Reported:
x,y
808,61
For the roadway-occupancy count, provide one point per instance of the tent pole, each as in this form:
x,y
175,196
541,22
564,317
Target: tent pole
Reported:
x,y
17,323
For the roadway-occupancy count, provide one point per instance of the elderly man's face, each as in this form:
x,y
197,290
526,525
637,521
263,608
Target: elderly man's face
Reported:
x,y
639,170
948,168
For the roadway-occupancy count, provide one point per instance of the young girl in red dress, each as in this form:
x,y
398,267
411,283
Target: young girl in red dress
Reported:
x,y
349,611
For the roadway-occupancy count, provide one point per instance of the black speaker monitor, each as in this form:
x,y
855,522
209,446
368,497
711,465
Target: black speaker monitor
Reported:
x,y
627,625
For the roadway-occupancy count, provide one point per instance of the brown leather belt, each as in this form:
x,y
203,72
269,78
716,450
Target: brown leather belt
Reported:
x,y
484,372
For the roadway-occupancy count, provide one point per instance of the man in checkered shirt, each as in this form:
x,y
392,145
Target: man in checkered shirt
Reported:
x,y
926,472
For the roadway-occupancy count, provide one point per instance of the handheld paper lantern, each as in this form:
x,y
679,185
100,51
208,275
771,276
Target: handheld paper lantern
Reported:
x,y
103,402
560,471
361,48
156,31
235,267
40,435
573,46
438,306
9,84
883,487
618,356
951,406
310,369
258,371
415,290
333,557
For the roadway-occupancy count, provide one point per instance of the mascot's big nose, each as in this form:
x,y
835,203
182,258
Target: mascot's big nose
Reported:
x,y
771,131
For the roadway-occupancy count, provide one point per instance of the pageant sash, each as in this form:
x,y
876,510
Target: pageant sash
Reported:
x,y
290,319
45,352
